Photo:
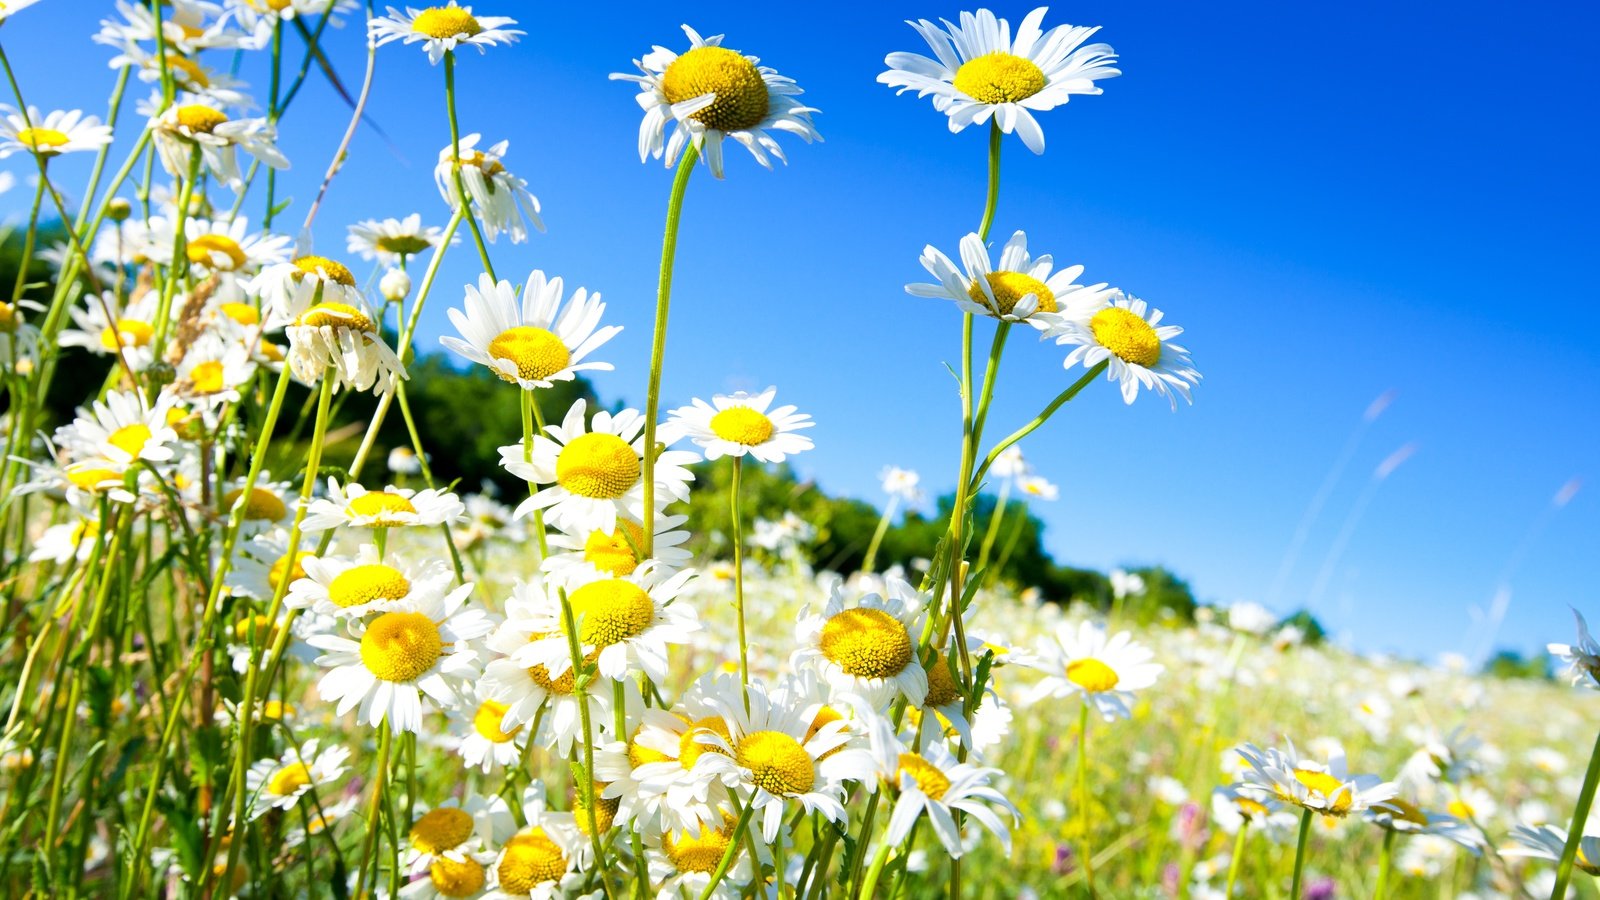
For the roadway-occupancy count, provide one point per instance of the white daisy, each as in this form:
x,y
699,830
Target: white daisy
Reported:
x,y
290,288
1405,817
979,72
453,828
105,326
740,424
536,342
681,863
710,92
9,8
187,73
1326,788
1548,842
212,372
1021,289
594,475
653,775
575,559
121,431
342,342
935,783
452,876
72,540
442,29
393,241
1105,672
280,783
901,483
52,134
263,564
485,744
186,25
190,125
252,15
352,588
392,507
539,862
1583,658
215,245
1128,335
867,647
421,647
1038,487
502,197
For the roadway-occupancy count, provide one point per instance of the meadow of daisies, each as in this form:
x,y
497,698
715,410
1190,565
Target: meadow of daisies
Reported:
x,y
232,668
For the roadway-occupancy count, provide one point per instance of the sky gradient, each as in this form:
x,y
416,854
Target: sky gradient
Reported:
x,y
1335,202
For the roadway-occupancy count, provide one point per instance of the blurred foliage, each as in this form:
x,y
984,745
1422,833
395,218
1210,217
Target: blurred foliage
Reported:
x,y
1511,664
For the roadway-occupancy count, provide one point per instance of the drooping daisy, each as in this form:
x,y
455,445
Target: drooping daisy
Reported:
x,y
393,241
280,783
576,558
594,475
392,507
536,342
741,423
104,325
121,430
979,72
502,197
292,287
192,126
188,74
1104,672
1401,815
352,588
1021,289
710,92
421,647
186,25
867,647
442,29
52,134
1327,788
342,342
1583,658
1128,335
935,783
1548,842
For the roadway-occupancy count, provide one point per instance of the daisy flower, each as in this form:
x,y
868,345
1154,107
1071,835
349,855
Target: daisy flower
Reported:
x,y
194,126
627,621
69,540
1400,815
9,8
392,241
442,29
1583,658
121,431
264,564
340,341
682,862
539,862
214,245
1105,672
58,132
1021,289
1326,788
935,783
188,74
979,72
710,92
502,198
292,287
318,823
536,342
280,783
266,507
392,507
463,873
1126,333
867,647
184,26
352,588
741,423
1549,841
452,828
575,558
594,475
1038,487
258,16
420,647
212,372
901,483
653,773
487,745
103,325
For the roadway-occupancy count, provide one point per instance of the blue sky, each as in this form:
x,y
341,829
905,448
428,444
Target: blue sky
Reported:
x,y
1334,200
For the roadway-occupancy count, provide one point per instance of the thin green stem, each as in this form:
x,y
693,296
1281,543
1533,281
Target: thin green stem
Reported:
x,y
1300,854
1580,818
1384,857
1085,815
1033,425
658,342
993,198
738,577
455,164
721,870
380,782
1238,857
871,559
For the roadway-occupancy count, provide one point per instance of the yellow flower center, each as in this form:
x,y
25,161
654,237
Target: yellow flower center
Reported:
x,y
530,859
445,22
1330,788
263,505
613,553
639,755
206,377
289,779
456,877
1461,809
130,439
567,683
866,642
243,313
401,646
930,780
1127,335
941,685
200,118
275,710
535,352
384,508
1092,675
605,811
333,270
365,584
741,95
598,466
1251,809
185,71
777,763
486,721
406,244
611,611
999,77
489,165
205,249
690,748
822,719
256,628
89,478
42,139
128,333
698,854
441,829
742,425
1009,288
336,315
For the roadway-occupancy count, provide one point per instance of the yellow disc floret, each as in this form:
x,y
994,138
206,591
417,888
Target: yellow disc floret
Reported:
x,y
263,505
614,553
605,811
535,352
333,270
611,611
1336,795
441,829
198,117
456,877
777,763
336,315
742,425
206,249
401,646
929,778
869,643
690,747
365,584
1009,288
127,333
289,779
999,77
130,439
445,22
207,377
741,94
597,465
43,140
942,687
1092,675
289,565
384,508
486,722
698,854
530,859
243,313
404,244
1127,335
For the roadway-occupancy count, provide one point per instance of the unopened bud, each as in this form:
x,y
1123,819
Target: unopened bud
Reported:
x,y
395,285
119,209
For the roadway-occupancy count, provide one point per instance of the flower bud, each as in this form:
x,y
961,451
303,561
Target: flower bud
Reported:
x,y
395,285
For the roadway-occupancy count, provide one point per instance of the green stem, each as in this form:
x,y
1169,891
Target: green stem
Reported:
x,y
1084,815
27,243
380,781
1300,854
1038,420
995,518
1384,856
878,533
738,578
993,198
869,884
1238,857
721,870
1580,817
455,165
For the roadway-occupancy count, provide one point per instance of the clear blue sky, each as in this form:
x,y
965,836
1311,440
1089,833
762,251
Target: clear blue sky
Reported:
x,y
1334,200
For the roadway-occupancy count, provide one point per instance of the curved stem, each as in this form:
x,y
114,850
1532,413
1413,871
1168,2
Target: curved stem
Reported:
x,y
1043,416
455,165
871,558
658,342
727,855
993,199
